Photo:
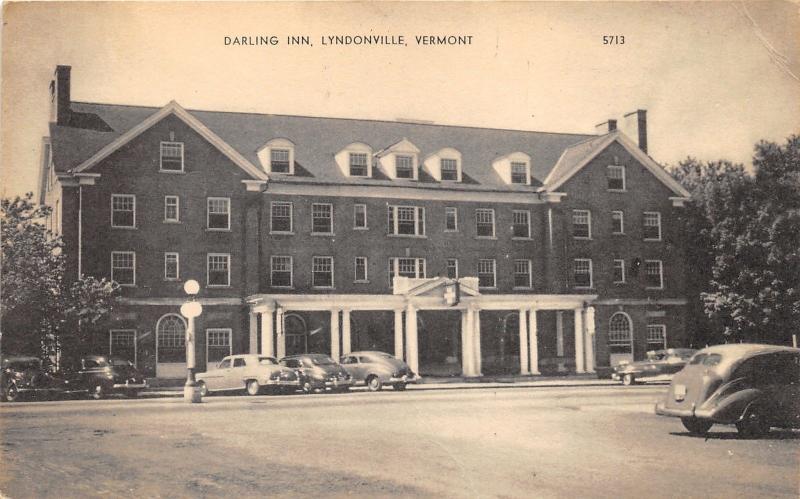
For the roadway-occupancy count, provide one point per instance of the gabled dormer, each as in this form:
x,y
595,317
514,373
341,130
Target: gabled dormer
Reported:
x,y
277,156
514,168
355,160
444,165
400,161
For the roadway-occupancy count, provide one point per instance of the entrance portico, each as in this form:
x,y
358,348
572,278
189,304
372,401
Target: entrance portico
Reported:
x,y
413,295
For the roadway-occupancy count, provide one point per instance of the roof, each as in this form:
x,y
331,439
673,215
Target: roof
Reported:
x,y
318,139
746,349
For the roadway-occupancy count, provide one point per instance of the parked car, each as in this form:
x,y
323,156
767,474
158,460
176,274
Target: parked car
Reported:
x,y
754,387
318,372
249,372
24,376
101,375
375,369
660,365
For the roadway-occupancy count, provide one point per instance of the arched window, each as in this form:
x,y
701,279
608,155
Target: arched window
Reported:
x,y
296,334
619,330
171,332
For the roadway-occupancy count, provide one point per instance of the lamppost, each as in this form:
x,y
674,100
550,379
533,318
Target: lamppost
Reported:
x,y
190,310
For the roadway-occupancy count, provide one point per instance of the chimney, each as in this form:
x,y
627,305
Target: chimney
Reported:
x,y
606,127
636,123
59,96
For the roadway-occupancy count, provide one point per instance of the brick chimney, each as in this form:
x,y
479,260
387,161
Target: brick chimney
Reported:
x,y
606,127
59,96
636,123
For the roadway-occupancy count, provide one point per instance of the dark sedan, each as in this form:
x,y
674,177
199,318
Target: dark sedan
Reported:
x,y
101,375
660,365
24,376
318,372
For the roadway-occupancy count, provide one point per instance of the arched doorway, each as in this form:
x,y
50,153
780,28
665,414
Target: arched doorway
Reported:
x,y
170,346
620,338
296,332
439,342
500,348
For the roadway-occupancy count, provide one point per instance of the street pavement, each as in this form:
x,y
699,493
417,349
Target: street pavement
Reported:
x,y
522,441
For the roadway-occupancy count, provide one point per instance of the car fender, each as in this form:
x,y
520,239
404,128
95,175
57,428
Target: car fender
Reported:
x,y
733,407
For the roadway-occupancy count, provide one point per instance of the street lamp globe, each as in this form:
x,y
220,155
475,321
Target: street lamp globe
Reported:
x,y
191,287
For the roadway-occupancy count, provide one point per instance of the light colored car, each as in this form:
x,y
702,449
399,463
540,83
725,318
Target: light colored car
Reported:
x,y
751,386
247,372
660,365
375,369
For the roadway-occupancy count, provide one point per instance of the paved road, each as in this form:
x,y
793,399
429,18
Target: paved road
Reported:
x,y
516,442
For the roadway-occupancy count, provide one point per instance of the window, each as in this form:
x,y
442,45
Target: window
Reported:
x,y
581,224
279,161
172,211
281,217
521,227
122,343
358,164
123,210
171,266
219,213
652,226
616,178
619,330
486,273
484,220
449,169
519,173
582,273
360,216
619,271
656,336
239,362
218,342
219,269
406,267
522,274
404,166
450,219
452,268
321,218
123,267
281,271
361,269
172,156
171,332
617,222
322,272
653,274
406,220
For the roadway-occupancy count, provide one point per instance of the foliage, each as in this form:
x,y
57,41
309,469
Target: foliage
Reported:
x,y
42,311
743,251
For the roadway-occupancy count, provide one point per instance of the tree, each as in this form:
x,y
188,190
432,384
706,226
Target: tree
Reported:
x,y
743,250
41,311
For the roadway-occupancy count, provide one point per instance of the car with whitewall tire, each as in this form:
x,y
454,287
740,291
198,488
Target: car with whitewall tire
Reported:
x,y
318,372
252,373
378,369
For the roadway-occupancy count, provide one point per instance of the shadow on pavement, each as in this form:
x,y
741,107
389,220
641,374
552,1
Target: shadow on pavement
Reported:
x,y
734,435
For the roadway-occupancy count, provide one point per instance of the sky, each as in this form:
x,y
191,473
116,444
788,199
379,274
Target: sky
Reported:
x,y
714,77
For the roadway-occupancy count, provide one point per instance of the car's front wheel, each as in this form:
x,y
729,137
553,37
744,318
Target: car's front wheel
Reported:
x,y
754,424
132,394
628,380
203,389
374,383
253,388
98,391
696,426
12,393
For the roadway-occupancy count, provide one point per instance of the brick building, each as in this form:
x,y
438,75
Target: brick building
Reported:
x,y
463,250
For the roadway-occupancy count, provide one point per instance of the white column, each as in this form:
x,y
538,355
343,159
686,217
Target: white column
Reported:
x,y
335,334
466,342
253,348
267,347
534,341
398,334
560,340
477,342
279,323
589,327
412,354
523,342
346,343
579,333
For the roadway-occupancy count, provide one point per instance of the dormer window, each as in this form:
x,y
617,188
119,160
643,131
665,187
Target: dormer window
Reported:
x,y
404,166
519,173
277,156
358,164
514,168
449,169
172,156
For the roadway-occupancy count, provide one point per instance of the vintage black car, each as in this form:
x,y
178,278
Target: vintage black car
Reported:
x,y
24,377
100,376
318,372
660,365
754,387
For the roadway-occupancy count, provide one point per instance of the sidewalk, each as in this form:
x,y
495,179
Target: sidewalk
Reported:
x,y
174,387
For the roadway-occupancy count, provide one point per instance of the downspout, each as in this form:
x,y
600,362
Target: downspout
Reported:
x,y
80,231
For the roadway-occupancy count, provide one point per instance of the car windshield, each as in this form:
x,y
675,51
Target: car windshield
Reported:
x,y
698,359
267,361
121,363
322,361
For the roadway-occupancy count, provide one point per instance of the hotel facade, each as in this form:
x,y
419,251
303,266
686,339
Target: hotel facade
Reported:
x,y
465,251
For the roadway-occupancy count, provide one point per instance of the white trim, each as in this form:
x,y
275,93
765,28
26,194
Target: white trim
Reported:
x,y
613,268
333,281
121,196
446,261
264,154
177,266
158,324
174,108
161,156
366,220
454,210
660,273
530,273
272,271
355,269
663,328
494,223
134,267
208,213
494,272
588,223
312,219
135,345
640,302
177,218
208,270
624,179
162,301
528,216
272,217
630,330
420,225
220,330
591,273
254,185
658,218
622,222
554,183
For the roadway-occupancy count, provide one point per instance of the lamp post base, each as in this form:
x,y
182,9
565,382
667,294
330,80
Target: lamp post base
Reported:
x,y
191,392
